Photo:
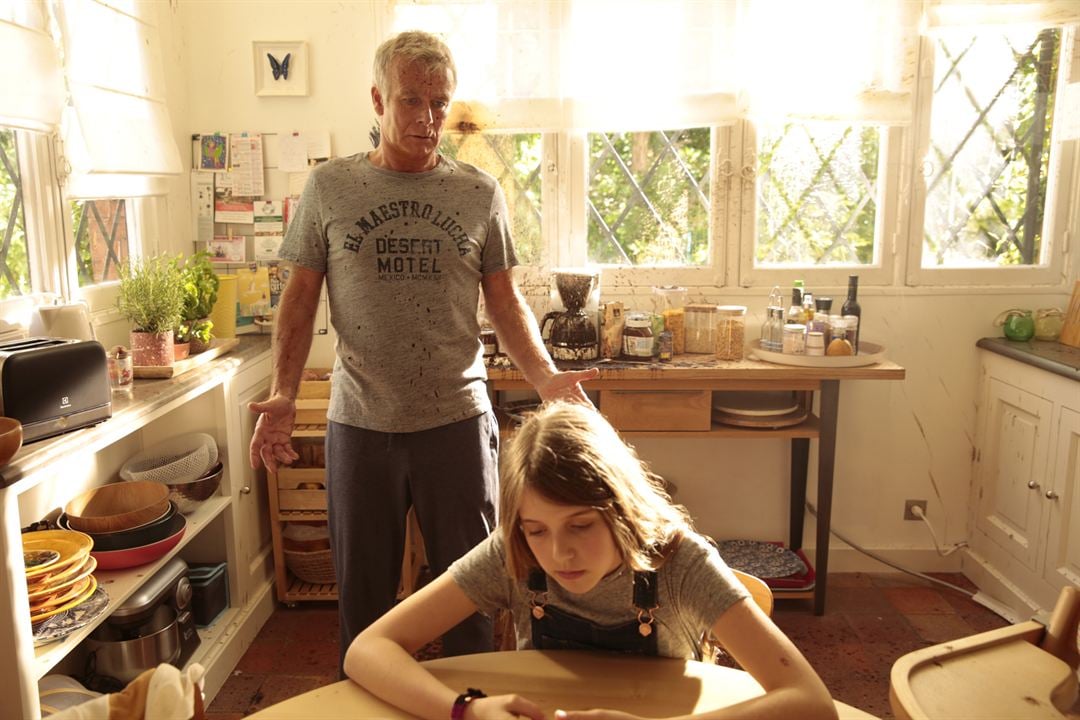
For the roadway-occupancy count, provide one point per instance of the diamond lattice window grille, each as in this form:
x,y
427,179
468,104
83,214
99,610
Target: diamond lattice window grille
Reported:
x,y
515,161
817,189
101,239
14,255
989,149
648,200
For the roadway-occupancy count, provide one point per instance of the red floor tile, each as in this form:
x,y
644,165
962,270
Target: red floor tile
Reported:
x,y
917,600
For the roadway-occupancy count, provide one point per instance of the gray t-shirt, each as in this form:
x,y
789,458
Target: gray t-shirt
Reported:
x,y
695,588
403,255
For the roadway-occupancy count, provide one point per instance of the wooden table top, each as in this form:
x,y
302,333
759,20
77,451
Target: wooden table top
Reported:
x,y
566,680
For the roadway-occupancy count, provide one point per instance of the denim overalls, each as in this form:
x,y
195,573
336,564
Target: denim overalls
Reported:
x,y
554,629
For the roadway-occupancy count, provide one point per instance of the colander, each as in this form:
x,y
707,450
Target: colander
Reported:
x,y
176,460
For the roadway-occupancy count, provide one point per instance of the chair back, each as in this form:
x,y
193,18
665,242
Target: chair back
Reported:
x,y
760,592
1060,638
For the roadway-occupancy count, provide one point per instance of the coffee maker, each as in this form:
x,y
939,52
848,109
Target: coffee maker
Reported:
x,y
571,333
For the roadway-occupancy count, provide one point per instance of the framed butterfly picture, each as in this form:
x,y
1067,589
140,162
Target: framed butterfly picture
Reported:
x,y
281,68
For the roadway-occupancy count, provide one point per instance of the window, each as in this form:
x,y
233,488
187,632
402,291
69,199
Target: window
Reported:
x,y
988,166
14,253
101,239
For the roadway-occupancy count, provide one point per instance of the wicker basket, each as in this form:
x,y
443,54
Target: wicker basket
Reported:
x,y
313,567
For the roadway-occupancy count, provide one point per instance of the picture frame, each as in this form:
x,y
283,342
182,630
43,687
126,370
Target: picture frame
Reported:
x,y
280,68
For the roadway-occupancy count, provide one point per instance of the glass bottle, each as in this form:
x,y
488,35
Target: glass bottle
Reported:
x,y
807,308
851,308
794,311
820,322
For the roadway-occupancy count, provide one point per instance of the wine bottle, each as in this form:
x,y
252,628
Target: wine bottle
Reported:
x,y
850,310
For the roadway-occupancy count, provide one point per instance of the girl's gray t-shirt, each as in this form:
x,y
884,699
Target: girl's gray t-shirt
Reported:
x,y
403,254
695,588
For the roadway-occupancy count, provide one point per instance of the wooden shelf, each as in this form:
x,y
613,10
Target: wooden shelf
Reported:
x,y
309,431
122,584
296,590
300,515
809,428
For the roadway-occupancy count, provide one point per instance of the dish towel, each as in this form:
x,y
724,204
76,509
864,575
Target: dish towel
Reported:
x,y
164,693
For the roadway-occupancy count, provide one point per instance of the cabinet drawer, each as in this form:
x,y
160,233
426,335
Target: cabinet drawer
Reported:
x,y
657,409
301,489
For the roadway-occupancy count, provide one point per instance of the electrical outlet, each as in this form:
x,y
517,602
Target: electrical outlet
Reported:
x,y
911,504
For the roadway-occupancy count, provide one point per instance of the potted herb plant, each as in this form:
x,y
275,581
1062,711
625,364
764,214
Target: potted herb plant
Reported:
x,y
200,284
151,296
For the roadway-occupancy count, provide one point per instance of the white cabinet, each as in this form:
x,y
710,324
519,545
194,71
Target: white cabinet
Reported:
x,y
230,526
1025,543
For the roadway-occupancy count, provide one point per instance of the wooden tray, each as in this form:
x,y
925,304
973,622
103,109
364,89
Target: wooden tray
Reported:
x,y
218,347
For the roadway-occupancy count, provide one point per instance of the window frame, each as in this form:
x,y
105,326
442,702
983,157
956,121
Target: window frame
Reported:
x,y
1063,182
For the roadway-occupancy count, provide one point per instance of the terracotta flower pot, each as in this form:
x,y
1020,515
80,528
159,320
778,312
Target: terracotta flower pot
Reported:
x,y
181,350
152,348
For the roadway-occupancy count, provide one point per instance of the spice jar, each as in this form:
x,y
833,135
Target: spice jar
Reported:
x,y
794,339
665,346
120,367
730,331
638,335
815,342
670,303
700,328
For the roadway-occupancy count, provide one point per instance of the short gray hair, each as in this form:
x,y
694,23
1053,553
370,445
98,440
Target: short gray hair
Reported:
x,y
411,46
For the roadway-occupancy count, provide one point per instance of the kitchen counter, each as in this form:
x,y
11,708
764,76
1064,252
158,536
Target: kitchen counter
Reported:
x,y
130,409
1047,355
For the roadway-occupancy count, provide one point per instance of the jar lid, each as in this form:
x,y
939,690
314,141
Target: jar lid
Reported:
x,y
638,319
732,309
795,327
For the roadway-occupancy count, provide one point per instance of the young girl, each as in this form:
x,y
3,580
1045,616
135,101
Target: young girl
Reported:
x,y
590,554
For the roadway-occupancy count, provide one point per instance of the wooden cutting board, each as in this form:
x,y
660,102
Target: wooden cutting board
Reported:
x,y
1070,332
218,346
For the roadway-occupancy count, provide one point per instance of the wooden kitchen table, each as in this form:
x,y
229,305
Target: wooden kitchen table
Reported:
x,y
556,680
635,392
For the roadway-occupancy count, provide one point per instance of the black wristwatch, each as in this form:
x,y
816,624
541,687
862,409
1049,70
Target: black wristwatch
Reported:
x,y
457,712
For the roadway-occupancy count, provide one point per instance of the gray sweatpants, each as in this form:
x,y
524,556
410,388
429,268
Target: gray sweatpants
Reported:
x,y
449,474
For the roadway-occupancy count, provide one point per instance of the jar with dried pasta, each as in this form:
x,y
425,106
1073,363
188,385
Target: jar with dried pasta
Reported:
x,y
730,331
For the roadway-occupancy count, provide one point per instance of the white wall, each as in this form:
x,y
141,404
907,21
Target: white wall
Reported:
x,y
898,440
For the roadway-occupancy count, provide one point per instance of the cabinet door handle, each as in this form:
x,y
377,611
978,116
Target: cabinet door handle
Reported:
x,y
1033,485
1051,495
246,490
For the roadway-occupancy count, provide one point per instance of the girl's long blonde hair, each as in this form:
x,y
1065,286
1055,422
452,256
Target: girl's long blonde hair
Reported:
x,y
571,455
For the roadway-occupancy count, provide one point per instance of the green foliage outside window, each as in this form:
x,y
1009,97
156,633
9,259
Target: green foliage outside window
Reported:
x,y
14,256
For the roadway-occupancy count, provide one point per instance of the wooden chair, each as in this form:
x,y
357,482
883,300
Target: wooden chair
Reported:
x,y
761,592
1026,670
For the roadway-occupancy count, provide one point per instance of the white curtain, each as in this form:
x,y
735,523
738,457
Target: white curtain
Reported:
x,y
647,64
31,86
117,136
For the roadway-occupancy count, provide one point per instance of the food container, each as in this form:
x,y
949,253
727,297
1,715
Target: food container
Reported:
x,y
794,339
638,335
700,328
670,303
209,592
730,332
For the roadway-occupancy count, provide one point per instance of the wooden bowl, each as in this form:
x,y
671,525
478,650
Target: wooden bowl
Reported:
x,y
118,506
10,438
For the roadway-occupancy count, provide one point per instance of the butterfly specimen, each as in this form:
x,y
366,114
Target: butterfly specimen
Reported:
x,y
280,69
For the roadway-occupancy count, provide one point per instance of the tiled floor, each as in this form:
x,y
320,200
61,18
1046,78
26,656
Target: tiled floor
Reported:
x,y
872,619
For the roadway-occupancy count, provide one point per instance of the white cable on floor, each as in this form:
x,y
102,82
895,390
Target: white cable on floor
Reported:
x,y
890,563
918,512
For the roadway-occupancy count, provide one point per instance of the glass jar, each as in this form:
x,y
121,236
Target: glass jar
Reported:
x,y
700,328
794,342
1019,325
638,335
815,342
670,303
1048,323
730,332
120,367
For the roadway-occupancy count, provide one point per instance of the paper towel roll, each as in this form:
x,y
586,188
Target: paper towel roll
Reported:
x,y
224,313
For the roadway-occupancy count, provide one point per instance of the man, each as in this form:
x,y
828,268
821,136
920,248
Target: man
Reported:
x,y
405,239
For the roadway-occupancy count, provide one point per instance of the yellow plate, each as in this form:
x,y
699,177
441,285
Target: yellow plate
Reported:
x,y
34,619
77,573
72,546
62,596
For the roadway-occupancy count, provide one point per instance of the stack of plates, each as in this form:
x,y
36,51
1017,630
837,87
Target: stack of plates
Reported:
x,y
759,409
59,574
